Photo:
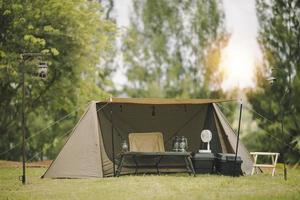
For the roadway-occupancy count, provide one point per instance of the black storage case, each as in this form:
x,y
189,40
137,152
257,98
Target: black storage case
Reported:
x,y
226,164
203,162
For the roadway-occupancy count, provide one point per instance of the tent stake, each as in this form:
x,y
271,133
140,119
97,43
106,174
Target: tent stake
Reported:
x,y
238,136
112,138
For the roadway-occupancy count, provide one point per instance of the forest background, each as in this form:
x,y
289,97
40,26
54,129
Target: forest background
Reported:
x,y
171,49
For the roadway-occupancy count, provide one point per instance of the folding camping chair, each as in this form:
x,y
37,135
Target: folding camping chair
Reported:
x,y
150,146
146,142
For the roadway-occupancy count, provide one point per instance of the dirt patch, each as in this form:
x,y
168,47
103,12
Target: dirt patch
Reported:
x,y
45,163
5,164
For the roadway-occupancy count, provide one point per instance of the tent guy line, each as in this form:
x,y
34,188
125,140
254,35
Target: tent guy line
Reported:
x,y
278,139
44,129
257,113
36,154
68,132
274,137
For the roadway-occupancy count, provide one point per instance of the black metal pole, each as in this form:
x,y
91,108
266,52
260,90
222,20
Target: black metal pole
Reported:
x,y
238,136
112,138
23,122
282,132
25,56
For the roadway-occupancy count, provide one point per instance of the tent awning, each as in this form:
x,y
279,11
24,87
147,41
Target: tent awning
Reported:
x,y
164,101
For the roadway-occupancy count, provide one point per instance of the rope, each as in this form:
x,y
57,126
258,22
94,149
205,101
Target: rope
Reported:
x,y
257,113
103,106
270,134
44,129
252,110
68,132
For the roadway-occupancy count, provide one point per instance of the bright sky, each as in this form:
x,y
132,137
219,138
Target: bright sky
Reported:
x,y
122,11
240,55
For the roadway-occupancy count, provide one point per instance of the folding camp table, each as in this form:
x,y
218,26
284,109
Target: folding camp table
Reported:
x,y
274,157
136,156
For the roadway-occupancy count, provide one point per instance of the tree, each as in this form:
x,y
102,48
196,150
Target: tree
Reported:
x,y
76,35
279,40
172,49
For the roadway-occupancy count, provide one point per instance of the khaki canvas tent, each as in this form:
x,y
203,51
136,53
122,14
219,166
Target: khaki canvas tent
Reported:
x,y
94,144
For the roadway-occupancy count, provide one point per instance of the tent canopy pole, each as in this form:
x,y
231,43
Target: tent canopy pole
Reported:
x,y
239,128
112,138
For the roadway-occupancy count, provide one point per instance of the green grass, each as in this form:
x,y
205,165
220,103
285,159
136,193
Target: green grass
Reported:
x,y
179,186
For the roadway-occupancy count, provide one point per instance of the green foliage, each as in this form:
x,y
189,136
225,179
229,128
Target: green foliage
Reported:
x,y
279,39
75,36
172,49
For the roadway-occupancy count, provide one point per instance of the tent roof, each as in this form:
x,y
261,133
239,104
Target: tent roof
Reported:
x,y
164,101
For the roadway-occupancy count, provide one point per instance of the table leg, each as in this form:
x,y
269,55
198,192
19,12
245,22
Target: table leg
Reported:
x,y
274,164
191,165
254,163
157,167
119,169
136,165
187,165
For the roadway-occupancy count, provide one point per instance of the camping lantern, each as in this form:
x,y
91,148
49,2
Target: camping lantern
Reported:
x,y
176,143
124,146
183,144
42,69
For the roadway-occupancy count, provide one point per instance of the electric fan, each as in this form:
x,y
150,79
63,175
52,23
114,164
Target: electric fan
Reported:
x,y
206,137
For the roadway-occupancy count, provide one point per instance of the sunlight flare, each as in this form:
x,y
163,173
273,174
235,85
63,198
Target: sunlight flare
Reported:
x,y
238,65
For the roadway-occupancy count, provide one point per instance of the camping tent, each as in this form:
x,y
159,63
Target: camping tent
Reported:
x,y
94,144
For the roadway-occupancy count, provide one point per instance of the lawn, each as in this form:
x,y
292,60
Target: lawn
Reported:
x,y
175,186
